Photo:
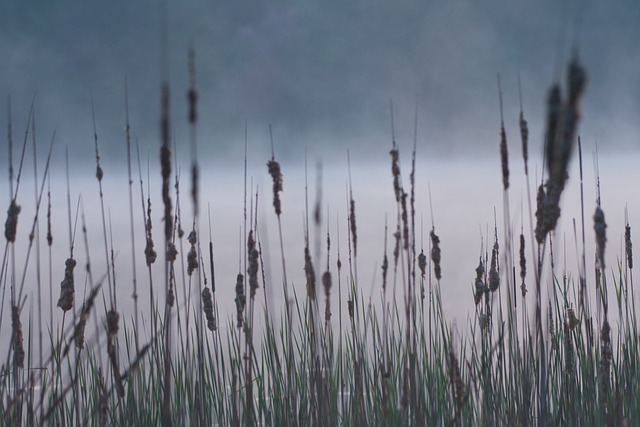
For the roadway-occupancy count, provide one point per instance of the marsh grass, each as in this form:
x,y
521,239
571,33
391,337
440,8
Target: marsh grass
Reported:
x,y
391,361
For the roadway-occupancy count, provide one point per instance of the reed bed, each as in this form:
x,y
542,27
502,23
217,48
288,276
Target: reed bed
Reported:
x,y
190,360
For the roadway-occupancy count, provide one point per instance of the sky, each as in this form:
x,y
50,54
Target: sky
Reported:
x,y
323,75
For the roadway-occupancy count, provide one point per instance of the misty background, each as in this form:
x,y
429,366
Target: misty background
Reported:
x,y
323,75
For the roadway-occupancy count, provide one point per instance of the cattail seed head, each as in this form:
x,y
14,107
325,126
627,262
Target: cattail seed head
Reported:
x,y
458,387
207,307
572,320
606,356
504,157
310,274
192,260
276,176
149,253
350,308
422,263
11,225
480,286
172,252
395,171
253,267
436,254
494,276
628,246
67,290
524,135
523,267
18,338
352,222
326,284
240,300
600,227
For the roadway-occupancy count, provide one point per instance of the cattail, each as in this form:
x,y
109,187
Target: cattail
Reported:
x,y
171,296
207,307
494,276
395,171
572,320
253,264
165,166
240,300
540,231
552,329
18,339
504,157
524,135
352,222
172,252
350,308
112,332
192,256
435,254
600,228
11,225
67,291
627,246
422,263
385,270
326,284
523,267
310,274
276,176
606,356
405,221
484,320
149,253
192,98
49,234
480,286
192,260
458,387
78,333
568,349
396,248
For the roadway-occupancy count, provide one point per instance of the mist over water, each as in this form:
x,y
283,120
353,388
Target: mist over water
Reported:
x,y
467,198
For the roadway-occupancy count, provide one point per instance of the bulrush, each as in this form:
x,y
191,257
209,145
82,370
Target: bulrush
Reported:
x,y
458,389
67,291
326,284
422,263
310,274
480,286
523,267
276,176
207,307
113,318
18,338
253,267
192,256
11,225
494,276
436,254
240,300
628,246
600,228
606,355
562,124
149,253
